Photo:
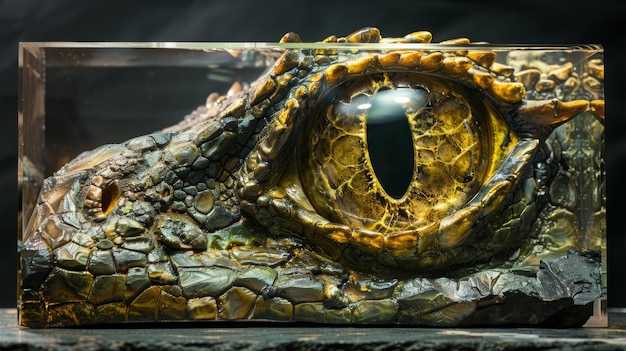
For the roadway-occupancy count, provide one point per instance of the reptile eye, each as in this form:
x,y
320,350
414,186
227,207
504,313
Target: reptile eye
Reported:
x,y
400,151
451,184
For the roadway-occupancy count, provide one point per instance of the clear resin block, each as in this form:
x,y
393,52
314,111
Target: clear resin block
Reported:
x,y
359,180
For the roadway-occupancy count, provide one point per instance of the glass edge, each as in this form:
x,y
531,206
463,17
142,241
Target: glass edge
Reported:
x,y
600,315
270,45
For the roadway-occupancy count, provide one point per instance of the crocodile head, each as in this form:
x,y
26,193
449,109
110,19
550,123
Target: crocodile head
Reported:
x,y
254,184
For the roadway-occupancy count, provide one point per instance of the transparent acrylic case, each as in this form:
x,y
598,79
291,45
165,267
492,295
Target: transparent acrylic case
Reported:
x,y
450,184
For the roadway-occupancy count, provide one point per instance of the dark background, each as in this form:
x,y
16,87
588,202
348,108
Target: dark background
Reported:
x,y
527,22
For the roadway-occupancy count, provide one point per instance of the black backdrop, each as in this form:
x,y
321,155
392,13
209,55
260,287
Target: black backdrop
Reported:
x,y
527,22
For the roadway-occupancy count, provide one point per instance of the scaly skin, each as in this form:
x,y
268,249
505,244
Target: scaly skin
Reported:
x,y
265,203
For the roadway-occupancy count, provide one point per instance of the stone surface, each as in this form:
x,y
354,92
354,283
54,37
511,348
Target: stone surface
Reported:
x,y
252,336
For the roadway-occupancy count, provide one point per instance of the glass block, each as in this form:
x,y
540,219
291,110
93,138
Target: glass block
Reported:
x,y
359,180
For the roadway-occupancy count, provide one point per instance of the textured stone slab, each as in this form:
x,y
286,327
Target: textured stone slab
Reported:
x,y
279,336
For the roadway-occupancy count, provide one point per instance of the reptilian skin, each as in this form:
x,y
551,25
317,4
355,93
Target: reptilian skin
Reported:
x,y
264,204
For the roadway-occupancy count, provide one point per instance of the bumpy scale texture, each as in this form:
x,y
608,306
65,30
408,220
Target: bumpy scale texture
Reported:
x,y
267,203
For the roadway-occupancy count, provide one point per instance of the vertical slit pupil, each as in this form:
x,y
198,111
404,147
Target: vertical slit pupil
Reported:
x,y
389,138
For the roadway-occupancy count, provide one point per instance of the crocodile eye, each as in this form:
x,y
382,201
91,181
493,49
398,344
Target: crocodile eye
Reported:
x,y
399,151
452,183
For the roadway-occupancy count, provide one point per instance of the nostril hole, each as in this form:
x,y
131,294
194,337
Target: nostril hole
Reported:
x,y
110,194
